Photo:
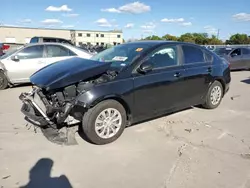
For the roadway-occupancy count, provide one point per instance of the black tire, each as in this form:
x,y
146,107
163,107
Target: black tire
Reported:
x,y
208,102
89,118
3,81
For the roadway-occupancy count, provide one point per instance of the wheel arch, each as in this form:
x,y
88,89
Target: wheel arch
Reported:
x,y
118,99
222,83
4,71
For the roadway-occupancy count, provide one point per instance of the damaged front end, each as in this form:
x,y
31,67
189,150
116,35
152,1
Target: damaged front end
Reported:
x,y
57,111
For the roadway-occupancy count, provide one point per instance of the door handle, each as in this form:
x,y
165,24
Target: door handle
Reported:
x,y
177,74
41,62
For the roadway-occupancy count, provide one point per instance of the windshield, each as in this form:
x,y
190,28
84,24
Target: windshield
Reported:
x,y
223,51
121,55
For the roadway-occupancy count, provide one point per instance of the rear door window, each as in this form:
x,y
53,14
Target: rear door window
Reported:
x,y
245,51
58,51
193,55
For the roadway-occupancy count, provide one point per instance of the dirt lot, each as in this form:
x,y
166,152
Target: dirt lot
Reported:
x,y
195,148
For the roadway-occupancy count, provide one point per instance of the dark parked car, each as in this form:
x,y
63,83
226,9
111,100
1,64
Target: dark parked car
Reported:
x,y
222,51
40,39
123,85
239,58
1,49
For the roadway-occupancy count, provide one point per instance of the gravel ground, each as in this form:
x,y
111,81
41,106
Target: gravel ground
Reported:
x,y
195,148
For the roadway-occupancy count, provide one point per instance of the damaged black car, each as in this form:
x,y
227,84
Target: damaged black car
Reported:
x,y
120,86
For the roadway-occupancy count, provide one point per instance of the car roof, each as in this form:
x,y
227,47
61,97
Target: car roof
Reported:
x,y
50,37
46,43
161,42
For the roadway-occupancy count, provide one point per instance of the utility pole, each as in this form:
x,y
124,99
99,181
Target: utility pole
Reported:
x,y
218,33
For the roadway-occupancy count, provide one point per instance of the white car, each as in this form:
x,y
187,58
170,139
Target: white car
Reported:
x,y
18,65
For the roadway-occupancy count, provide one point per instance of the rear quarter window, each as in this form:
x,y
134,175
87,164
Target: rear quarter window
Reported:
x,y
246,51
208,57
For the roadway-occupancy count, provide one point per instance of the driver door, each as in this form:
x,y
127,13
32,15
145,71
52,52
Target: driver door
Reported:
x,y
160,89
236,59
24,63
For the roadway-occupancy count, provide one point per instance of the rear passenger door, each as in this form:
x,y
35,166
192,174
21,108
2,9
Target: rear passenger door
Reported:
x,y
56,53
198,65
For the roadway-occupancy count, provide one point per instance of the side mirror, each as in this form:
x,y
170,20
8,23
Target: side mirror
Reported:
x,y
145,67
14,58
234,55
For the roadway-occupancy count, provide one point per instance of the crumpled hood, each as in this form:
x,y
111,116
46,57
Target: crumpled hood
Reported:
x,y
67,72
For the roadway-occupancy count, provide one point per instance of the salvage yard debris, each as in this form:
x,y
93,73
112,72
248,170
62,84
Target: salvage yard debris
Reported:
x,y
6,177
234,97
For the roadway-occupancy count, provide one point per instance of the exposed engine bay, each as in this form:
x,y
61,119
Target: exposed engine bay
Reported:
x,y
59,108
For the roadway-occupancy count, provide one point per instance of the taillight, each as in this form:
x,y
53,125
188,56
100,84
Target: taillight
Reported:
x,y
5,47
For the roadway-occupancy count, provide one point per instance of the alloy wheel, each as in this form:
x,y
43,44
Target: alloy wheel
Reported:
x,y
1,81
215,95
108,123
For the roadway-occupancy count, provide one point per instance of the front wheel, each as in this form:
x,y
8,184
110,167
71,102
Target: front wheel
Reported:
x,y
214,96
3,81
105,122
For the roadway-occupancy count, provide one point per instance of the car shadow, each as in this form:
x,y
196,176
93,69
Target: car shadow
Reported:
x,y
84,137
40,176
82,134
246,81
21,85
161,116
238,70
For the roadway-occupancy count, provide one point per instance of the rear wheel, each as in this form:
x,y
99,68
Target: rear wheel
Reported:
x,y
3,81
214,96
105,122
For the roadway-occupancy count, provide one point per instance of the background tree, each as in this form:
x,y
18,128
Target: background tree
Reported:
x,y
187,37
239,39
203,39
153,37
214,41
170,37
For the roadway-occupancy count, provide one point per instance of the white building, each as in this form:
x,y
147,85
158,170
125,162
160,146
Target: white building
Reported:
x,y
113,37
22,35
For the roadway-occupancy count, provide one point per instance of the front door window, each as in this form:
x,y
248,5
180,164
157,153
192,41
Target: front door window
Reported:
x,y
164,57
236,52
31,52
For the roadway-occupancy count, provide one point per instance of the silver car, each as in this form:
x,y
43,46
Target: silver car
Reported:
x,y
18,65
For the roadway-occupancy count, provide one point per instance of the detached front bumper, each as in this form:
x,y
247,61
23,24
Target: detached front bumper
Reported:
x,y
35,114
32,112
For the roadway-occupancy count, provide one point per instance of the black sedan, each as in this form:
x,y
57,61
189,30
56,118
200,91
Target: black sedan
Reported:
x,y
239,58
123,85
